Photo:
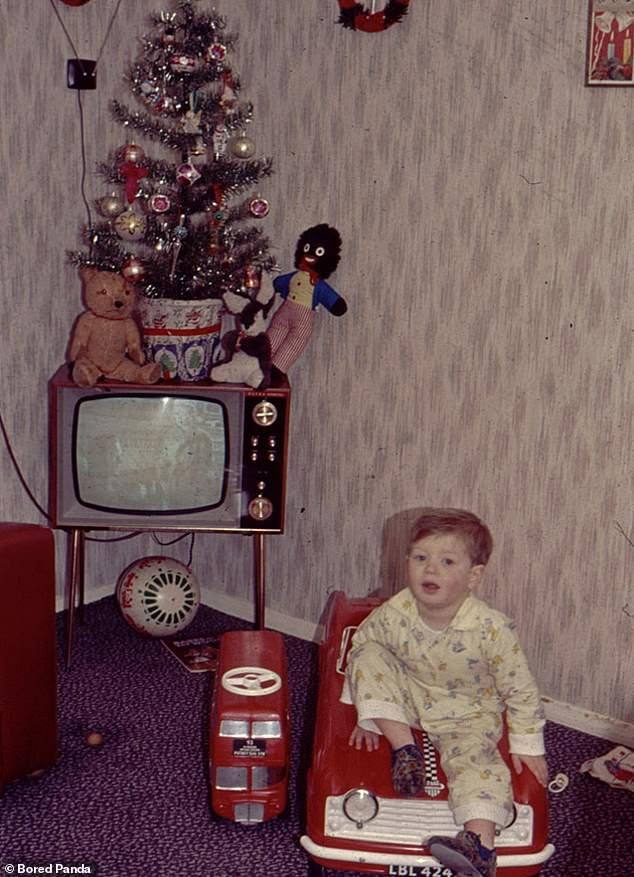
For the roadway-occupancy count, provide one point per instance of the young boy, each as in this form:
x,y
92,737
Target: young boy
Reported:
x,y
436,657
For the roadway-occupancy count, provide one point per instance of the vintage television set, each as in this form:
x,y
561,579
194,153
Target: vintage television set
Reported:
x,y
168,456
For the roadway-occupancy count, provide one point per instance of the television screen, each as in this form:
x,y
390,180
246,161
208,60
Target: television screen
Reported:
x,y
141,455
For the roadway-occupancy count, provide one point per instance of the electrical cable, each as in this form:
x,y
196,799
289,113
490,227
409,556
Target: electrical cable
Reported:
x,y
82,183
178,539
16,466
70,39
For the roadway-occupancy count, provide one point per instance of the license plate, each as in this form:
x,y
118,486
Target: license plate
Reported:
x,y
419,871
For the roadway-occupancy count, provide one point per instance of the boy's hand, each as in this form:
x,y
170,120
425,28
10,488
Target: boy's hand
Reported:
x,y
360,738
535,763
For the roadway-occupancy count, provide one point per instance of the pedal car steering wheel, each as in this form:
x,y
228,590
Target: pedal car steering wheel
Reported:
x,y
251,681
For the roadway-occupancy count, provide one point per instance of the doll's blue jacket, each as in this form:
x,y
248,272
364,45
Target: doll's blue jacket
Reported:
x,y
323,293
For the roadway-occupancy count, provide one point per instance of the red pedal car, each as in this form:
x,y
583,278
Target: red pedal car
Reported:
x,y
357,822
249,727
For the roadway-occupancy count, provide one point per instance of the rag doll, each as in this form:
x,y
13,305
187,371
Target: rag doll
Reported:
x,y
316,257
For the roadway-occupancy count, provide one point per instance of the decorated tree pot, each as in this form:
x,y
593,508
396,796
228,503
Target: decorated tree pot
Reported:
x,y
180,335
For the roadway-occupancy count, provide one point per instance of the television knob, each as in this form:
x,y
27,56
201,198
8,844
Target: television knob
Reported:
x,y
264,413
260,508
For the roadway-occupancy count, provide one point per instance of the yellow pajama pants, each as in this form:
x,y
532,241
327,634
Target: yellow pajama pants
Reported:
x,y
478,779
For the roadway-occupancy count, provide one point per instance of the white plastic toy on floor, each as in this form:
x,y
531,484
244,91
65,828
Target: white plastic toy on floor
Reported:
x,y
158,596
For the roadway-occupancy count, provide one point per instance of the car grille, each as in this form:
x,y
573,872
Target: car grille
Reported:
x,y
411,821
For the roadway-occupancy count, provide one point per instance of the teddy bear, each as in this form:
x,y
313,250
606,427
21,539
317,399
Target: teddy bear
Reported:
x,y
317,255
246,349
106,341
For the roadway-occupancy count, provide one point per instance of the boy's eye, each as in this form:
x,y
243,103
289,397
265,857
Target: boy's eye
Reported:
x,y
448,561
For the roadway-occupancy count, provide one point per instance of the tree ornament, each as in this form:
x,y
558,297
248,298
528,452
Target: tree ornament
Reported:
x,y
131,169
259,207
183,63
219,140
130,226
180,233
133,269
217,52
355,16
186,174
165,104
160,203
242,147
168,20
252,277
133,153
150,91
111,205
228,95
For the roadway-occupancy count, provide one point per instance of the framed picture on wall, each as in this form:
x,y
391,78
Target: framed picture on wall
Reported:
x,y
611,35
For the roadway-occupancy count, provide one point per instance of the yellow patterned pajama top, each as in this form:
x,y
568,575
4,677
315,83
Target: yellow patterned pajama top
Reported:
x,y
456,684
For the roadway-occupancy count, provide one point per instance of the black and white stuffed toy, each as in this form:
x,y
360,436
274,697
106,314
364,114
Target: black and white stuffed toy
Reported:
x,y
246,357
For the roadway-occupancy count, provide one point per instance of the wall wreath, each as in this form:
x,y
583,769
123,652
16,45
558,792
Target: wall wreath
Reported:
x,y
357,17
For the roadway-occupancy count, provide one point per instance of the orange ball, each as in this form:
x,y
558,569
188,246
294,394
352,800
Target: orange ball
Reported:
x,y
94,738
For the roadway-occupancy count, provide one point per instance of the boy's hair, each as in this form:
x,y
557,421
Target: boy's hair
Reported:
x,y
468,526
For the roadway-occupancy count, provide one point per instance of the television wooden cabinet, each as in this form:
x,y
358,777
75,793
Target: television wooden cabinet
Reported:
x,y
28,671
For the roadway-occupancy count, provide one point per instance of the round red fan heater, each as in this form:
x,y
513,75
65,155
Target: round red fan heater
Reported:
x,y
158,596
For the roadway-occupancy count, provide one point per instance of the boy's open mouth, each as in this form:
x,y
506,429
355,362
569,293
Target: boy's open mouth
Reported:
x,y
430,587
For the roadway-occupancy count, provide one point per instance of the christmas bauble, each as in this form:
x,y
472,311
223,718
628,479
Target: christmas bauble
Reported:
x,y
160,203
217,52
133,152
111,205
259,207
133,269
186,174
130,226
242,146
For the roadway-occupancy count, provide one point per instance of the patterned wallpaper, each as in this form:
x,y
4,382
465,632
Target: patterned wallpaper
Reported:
x,y
483,197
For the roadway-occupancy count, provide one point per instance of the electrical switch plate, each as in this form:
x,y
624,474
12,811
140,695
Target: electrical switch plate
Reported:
x,y
81,74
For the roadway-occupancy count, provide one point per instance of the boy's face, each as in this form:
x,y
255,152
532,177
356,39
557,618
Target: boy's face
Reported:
x,y
440,575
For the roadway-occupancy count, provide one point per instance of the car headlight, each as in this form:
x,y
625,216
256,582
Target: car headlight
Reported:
x,y
360,806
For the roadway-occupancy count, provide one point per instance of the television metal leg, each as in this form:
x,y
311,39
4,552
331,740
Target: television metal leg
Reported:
x,y
76,584
259,557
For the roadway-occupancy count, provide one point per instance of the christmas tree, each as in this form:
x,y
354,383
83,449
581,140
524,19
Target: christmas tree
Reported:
x,y
183,229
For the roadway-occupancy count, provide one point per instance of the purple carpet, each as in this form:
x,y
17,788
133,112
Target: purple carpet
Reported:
x,y
138,805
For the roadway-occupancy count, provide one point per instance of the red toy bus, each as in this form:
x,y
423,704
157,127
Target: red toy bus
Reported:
x,y
249,728
355,819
